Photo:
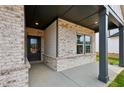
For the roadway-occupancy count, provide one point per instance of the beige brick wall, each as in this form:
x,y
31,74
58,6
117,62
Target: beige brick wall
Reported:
x,y
67,43
34,32
51,62
70,62
13,70
67,37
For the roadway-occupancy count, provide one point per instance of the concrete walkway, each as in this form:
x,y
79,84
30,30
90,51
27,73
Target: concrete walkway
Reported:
x,y
82,76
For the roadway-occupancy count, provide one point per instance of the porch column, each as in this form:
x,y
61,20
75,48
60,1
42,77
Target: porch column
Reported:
x,y
121,47
103,46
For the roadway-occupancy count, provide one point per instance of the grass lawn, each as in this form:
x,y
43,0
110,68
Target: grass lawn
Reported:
x,y
118,81
112,61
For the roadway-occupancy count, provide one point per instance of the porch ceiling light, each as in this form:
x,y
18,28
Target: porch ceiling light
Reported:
x,y
96,22
36,23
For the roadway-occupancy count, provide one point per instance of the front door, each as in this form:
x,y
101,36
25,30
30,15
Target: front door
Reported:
x,y
34,48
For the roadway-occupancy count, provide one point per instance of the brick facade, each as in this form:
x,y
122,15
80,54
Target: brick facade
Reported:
x,y
13,65
13,69
51,62
67,43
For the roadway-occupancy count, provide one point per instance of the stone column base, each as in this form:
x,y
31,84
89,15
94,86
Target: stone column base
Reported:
x,y
14,75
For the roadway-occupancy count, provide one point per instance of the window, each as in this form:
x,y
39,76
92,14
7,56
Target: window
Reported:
x,y
80,44
83,44
33,47
88,44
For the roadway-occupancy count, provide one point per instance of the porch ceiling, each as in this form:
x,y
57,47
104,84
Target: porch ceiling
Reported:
x,y
84,15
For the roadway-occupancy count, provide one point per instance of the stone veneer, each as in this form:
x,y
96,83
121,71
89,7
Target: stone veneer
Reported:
x,y
34,32
67,42
51,62
74,61
13,68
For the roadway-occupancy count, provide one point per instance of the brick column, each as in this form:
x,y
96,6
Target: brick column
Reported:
x,y
13,70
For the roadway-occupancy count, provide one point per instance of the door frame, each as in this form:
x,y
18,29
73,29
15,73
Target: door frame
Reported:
x,y
39,43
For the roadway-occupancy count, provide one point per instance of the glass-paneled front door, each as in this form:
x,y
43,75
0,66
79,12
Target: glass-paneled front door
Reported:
x,y
34,48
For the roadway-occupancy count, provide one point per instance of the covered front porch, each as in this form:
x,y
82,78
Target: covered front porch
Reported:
x,y
81,21
83,76
98,18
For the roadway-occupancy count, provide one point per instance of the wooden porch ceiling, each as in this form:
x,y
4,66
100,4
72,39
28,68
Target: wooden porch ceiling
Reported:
x,y
84,15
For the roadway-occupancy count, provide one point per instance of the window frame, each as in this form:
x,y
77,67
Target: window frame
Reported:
x,y
90,44
84,44
80,44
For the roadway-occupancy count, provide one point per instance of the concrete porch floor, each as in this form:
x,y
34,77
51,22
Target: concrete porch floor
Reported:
x,y
83,76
